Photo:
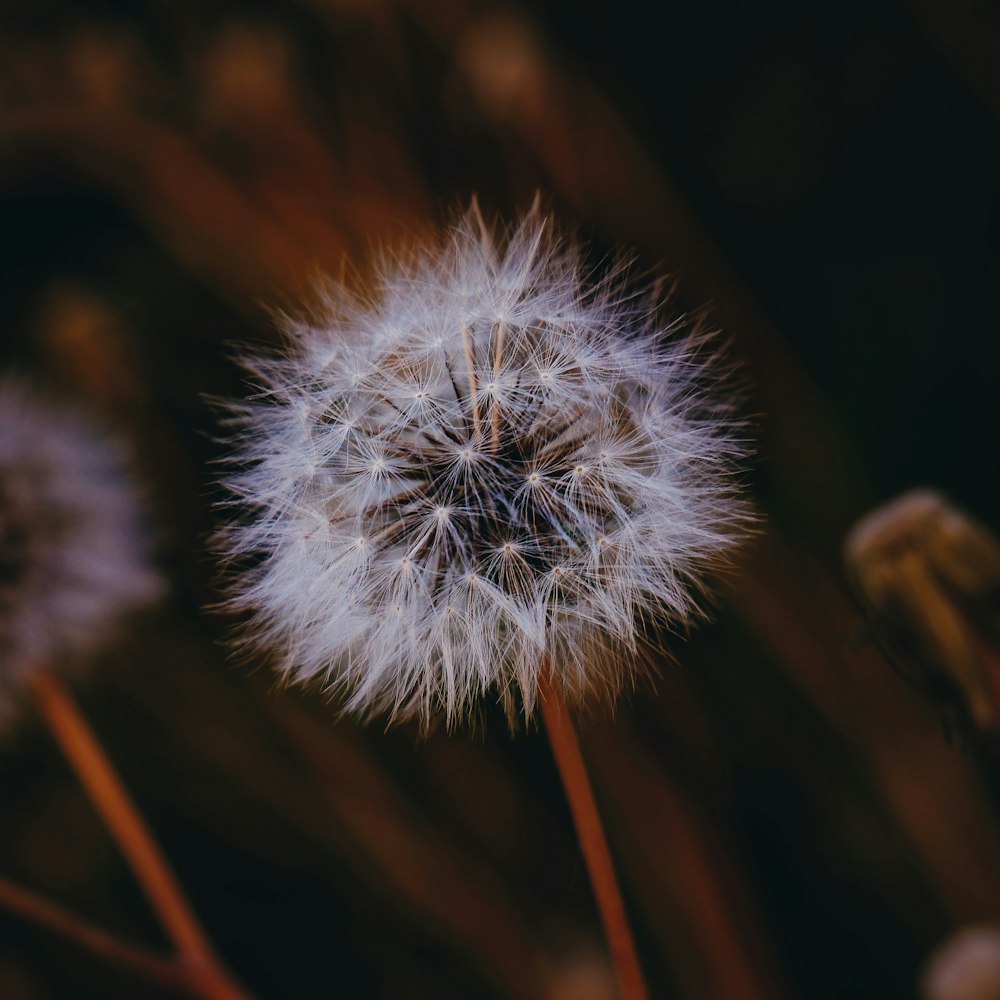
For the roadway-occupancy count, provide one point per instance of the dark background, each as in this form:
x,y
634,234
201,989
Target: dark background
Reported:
x,y
823,179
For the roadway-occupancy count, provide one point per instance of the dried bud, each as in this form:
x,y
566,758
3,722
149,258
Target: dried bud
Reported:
x,y
930,577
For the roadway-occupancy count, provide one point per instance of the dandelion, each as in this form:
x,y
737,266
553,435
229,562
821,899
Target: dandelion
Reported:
x,y
478,481
74,554
489,470
74,560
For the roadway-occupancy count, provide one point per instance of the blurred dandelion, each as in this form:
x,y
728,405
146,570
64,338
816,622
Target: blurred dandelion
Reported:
x,y
74,559
74,551
489,470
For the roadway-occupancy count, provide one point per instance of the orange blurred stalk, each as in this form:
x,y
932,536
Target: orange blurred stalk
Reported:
x,y
97,775
593,842
38,910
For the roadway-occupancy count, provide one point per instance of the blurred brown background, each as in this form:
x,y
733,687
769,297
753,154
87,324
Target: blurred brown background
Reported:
x,y
789,817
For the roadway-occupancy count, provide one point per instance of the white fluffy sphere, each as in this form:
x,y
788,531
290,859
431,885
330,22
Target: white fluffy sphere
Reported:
x,y
490,468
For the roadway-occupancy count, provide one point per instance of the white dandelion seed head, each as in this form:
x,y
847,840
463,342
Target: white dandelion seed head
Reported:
x,y
491,465
73,549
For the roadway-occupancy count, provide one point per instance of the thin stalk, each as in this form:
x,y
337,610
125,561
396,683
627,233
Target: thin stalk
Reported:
x,y
107,792
30,906
593,842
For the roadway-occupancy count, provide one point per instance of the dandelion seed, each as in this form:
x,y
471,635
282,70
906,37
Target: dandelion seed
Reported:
x,y
548,455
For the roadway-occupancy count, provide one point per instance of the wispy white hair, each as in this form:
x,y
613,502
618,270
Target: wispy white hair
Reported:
x,y
74,553
491,467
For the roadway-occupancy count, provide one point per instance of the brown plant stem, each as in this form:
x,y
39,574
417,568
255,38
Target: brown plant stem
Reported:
x,y
593,842
36,909
98,776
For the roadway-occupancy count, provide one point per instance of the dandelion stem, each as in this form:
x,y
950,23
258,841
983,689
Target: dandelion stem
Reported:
x,y
112,801
593,842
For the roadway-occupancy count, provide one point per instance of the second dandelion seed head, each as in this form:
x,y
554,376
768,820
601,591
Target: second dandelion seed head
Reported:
x,y
74,548
491,468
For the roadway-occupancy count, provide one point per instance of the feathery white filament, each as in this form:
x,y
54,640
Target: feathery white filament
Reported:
x,y
490,466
